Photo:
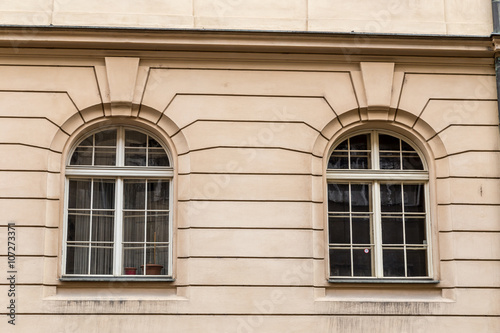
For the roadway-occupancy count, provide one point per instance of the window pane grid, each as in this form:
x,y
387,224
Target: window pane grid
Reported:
x,y
350,229
93,241
145,247
94,222
397,216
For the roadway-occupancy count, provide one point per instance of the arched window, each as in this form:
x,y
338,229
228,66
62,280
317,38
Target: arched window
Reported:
x,y
378,212
118,205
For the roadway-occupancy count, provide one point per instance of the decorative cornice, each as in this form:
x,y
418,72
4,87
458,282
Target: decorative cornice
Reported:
x,y
355,44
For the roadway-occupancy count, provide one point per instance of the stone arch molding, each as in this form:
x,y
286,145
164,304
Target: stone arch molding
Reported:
x,y
378,88
121,83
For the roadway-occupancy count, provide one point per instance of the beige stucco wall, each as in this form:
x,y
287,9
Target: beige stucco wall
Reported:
x,y
455,17
249,135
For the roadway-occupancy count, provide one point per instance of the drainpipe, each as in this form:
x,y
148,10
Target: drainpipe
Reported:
x,y
496,31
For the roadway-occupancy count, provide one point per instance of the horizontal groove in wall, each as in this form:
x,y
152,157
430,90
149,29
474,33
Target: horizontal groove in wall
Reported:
x,y
248,174
467,151
250,147
41,171
468,204
28,226
249,228
268,315
470,260
466,177
28,145
468,231
29,198
247,257
244,200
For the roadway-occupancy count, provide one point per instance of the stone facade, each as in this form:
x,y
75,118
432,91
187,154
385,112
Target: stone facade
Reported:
x,y
250,118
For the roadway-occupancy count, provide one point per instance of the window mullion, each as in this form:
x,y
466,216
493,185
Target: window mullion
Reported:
x,y
350,230
65,235
404,228
428,231
120,147
377,216
145,227
375,151
90,223
117,248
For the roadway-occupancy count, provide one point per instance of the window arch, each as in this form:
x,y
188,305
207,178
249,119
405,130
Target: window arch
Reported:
x,y
378,211
118,205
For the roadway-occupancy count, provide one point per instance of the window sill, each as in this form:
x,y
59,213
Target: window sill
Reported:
x,y
116,279
386,281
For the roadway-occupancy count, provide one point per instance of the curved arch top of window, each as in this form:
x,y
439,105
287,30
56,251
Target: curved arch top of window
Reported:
x,y
120,146
375,151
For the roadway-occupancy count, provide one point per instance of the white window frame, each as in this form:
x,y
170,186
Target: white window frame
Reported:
x,y
375,176
119,172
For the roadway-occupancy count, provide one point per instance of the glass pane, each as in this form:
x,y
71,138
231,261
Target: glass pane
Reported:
x,y
103,226
360,160
406,147
158,194
157,255
390,161
361,231
362,262
157,228
135,156
342,146
339,230
415,230
106,138
360,142
134,194
390,197
412,162
392,230
133,226
87,142
360,197
394,263
135,139
388,142
79,193
78,226
340,262
152,143
416,262
157,157
414,198
338,197
133,259
104,194
105,156
101,261
81,156
77,259
338,160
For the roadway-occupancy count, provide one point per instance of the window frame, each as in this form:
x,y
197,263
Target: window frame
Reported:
x,y
118,172
375,177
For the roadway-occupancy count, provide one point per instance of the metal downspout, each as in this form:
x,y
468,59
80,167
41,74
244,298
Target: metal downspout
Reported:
x,y
496,30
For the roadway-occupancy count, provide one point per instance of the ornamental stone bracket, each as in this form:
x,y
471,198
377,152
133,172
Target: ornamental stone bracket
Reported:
x,y
376,91
121,76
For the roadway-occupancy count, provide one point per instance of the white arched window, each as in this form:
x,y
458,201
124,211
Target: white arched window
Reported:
x,y
378,211
118,206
